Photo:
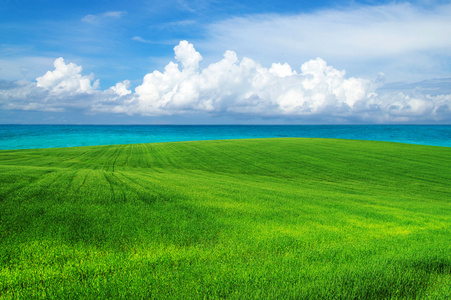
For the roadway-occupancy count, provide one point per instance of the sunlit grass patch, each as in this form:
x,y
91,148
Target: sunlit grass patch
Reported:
x,y
272,219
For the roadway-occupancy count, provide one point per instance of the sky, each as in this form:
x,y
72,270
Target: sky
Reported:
x,y
225,62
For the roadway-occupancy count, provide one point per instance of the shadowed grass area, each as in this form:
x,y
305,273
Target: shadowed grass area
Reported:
x,y
236,219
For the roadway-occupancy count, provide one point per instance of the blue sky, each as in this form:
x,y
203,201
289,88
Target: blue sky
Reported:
x,y
251,62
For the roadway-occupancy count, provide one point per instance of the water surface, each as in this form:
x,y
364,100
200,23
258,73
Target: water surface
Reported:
x,y
52,136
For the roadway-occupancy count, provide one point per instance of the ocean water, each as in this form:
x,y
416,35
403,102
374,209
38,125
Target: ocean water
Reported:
x,y
53,136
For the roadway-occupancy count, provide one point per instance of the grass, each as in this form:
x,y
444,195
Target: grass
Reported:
x,y
236,219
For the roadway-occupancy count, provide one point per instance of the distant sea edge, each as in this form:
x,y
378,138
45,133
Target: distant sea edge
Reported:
x,y
55,136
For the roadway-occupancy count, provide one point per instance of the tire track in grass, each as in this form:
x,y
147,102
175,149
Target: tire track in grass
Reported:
x,y
117,186
71,176
112,153
27,180
78,158
85,178
31,203
127,155
97,159
145,194
93,157
111,186
118,151
40,185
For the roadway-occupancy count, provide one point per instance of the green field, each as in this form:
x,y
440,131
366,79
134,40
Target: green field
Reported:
x,y
235,219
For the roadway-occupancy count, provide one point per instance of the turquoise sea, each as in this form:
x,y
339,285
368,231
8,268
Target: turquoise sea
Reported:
x,y
52,136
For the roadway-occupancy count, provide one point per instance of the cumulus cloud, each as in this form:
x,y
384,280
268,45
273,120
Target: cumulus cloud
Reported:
x,y
122,88
187,55
234,86
64,87
244,86
67,78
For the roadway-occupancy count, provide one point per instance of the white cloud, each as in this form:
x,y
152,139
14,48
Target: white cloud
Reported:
x,y
23,67
67,78
140,39
253,88
187,55
122,88
63,88
245,87
401,40
233,86
96,19
171,25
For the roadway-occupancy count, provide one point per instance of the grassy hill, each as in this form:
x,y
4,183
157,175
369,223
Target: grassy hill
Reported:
x,y
236,219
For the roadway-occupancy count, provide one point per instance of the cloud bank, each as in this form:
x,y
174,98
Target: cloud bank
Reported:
x,y
402,40
239,87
